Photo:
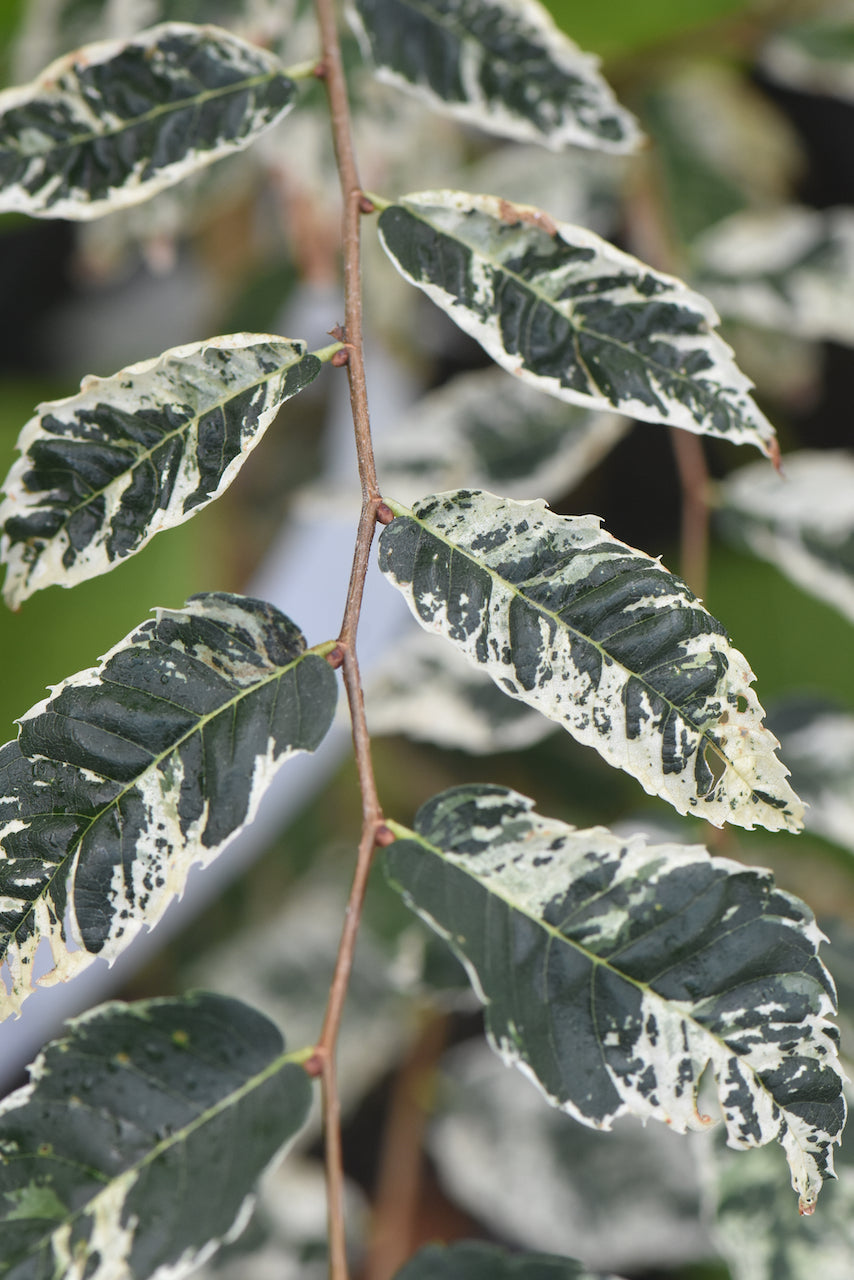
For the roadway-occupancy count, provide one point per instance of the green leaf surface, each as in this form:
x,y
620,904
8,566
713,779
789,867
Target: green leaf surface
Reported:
x,y
116,121
103,471
791,269
802,522
600,638
132,771
488,430
135,1149
614,973
566,311
474,1260
502,66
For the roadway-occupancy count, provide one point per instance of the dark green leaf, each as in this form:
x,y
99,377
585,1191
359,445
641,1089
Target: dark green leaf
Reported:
x,y
136,1147
132,771
116,121
103,471
567,312
474,1260
600,638
615,973
502,66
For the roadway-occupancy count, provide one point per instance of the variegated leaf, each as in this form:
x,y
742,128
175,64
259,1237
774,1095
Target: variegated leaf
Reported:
x,y
488,430
615,973
802,521
817,740
118,120
814,56
600,638
624,1200
500,65
135,1149
572,315
428,691
103,471
475,1260
791,269
132,771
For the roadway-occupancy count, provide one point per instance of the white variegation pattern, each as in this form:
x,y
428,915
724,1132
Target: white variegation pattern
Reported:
x,y
601,639
802,522
160,1089
615,973
569,313
815,56
488,430
103,471
119,120
131,772
501,65
790,269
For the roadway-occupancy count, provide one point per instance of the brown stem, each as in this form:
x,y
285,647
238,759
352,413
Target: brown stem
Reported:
x,y
354,205
694,482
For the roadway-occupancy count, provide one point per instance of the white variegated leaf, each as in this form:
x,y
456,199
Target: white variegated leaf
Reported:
x,y
753,1226
721,145
566,311
817,740
600,638
103,471
615,973
628,1199
135,1149
791,269
132,771
116,121
488,430
428,691
475,1260
814,56
502,65
802,521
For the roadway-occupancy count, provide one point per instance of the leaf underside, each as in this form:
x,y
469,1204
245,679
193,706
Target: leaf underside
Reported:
x,y
614,973
137,1146
566,311
103,471
114,122
132,771
503,67
803,523
600,638
474,1260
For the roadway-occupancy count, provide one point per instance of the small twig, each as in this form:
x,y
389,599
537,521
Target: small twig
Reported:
x,y
694,482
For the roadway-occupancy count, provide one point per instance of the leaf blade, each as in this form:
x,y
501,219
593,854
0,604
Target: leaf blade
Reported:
x,y
101,472
614,972
132,771
476,1260
505,68
116,121
566,311
121,1151
600,638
